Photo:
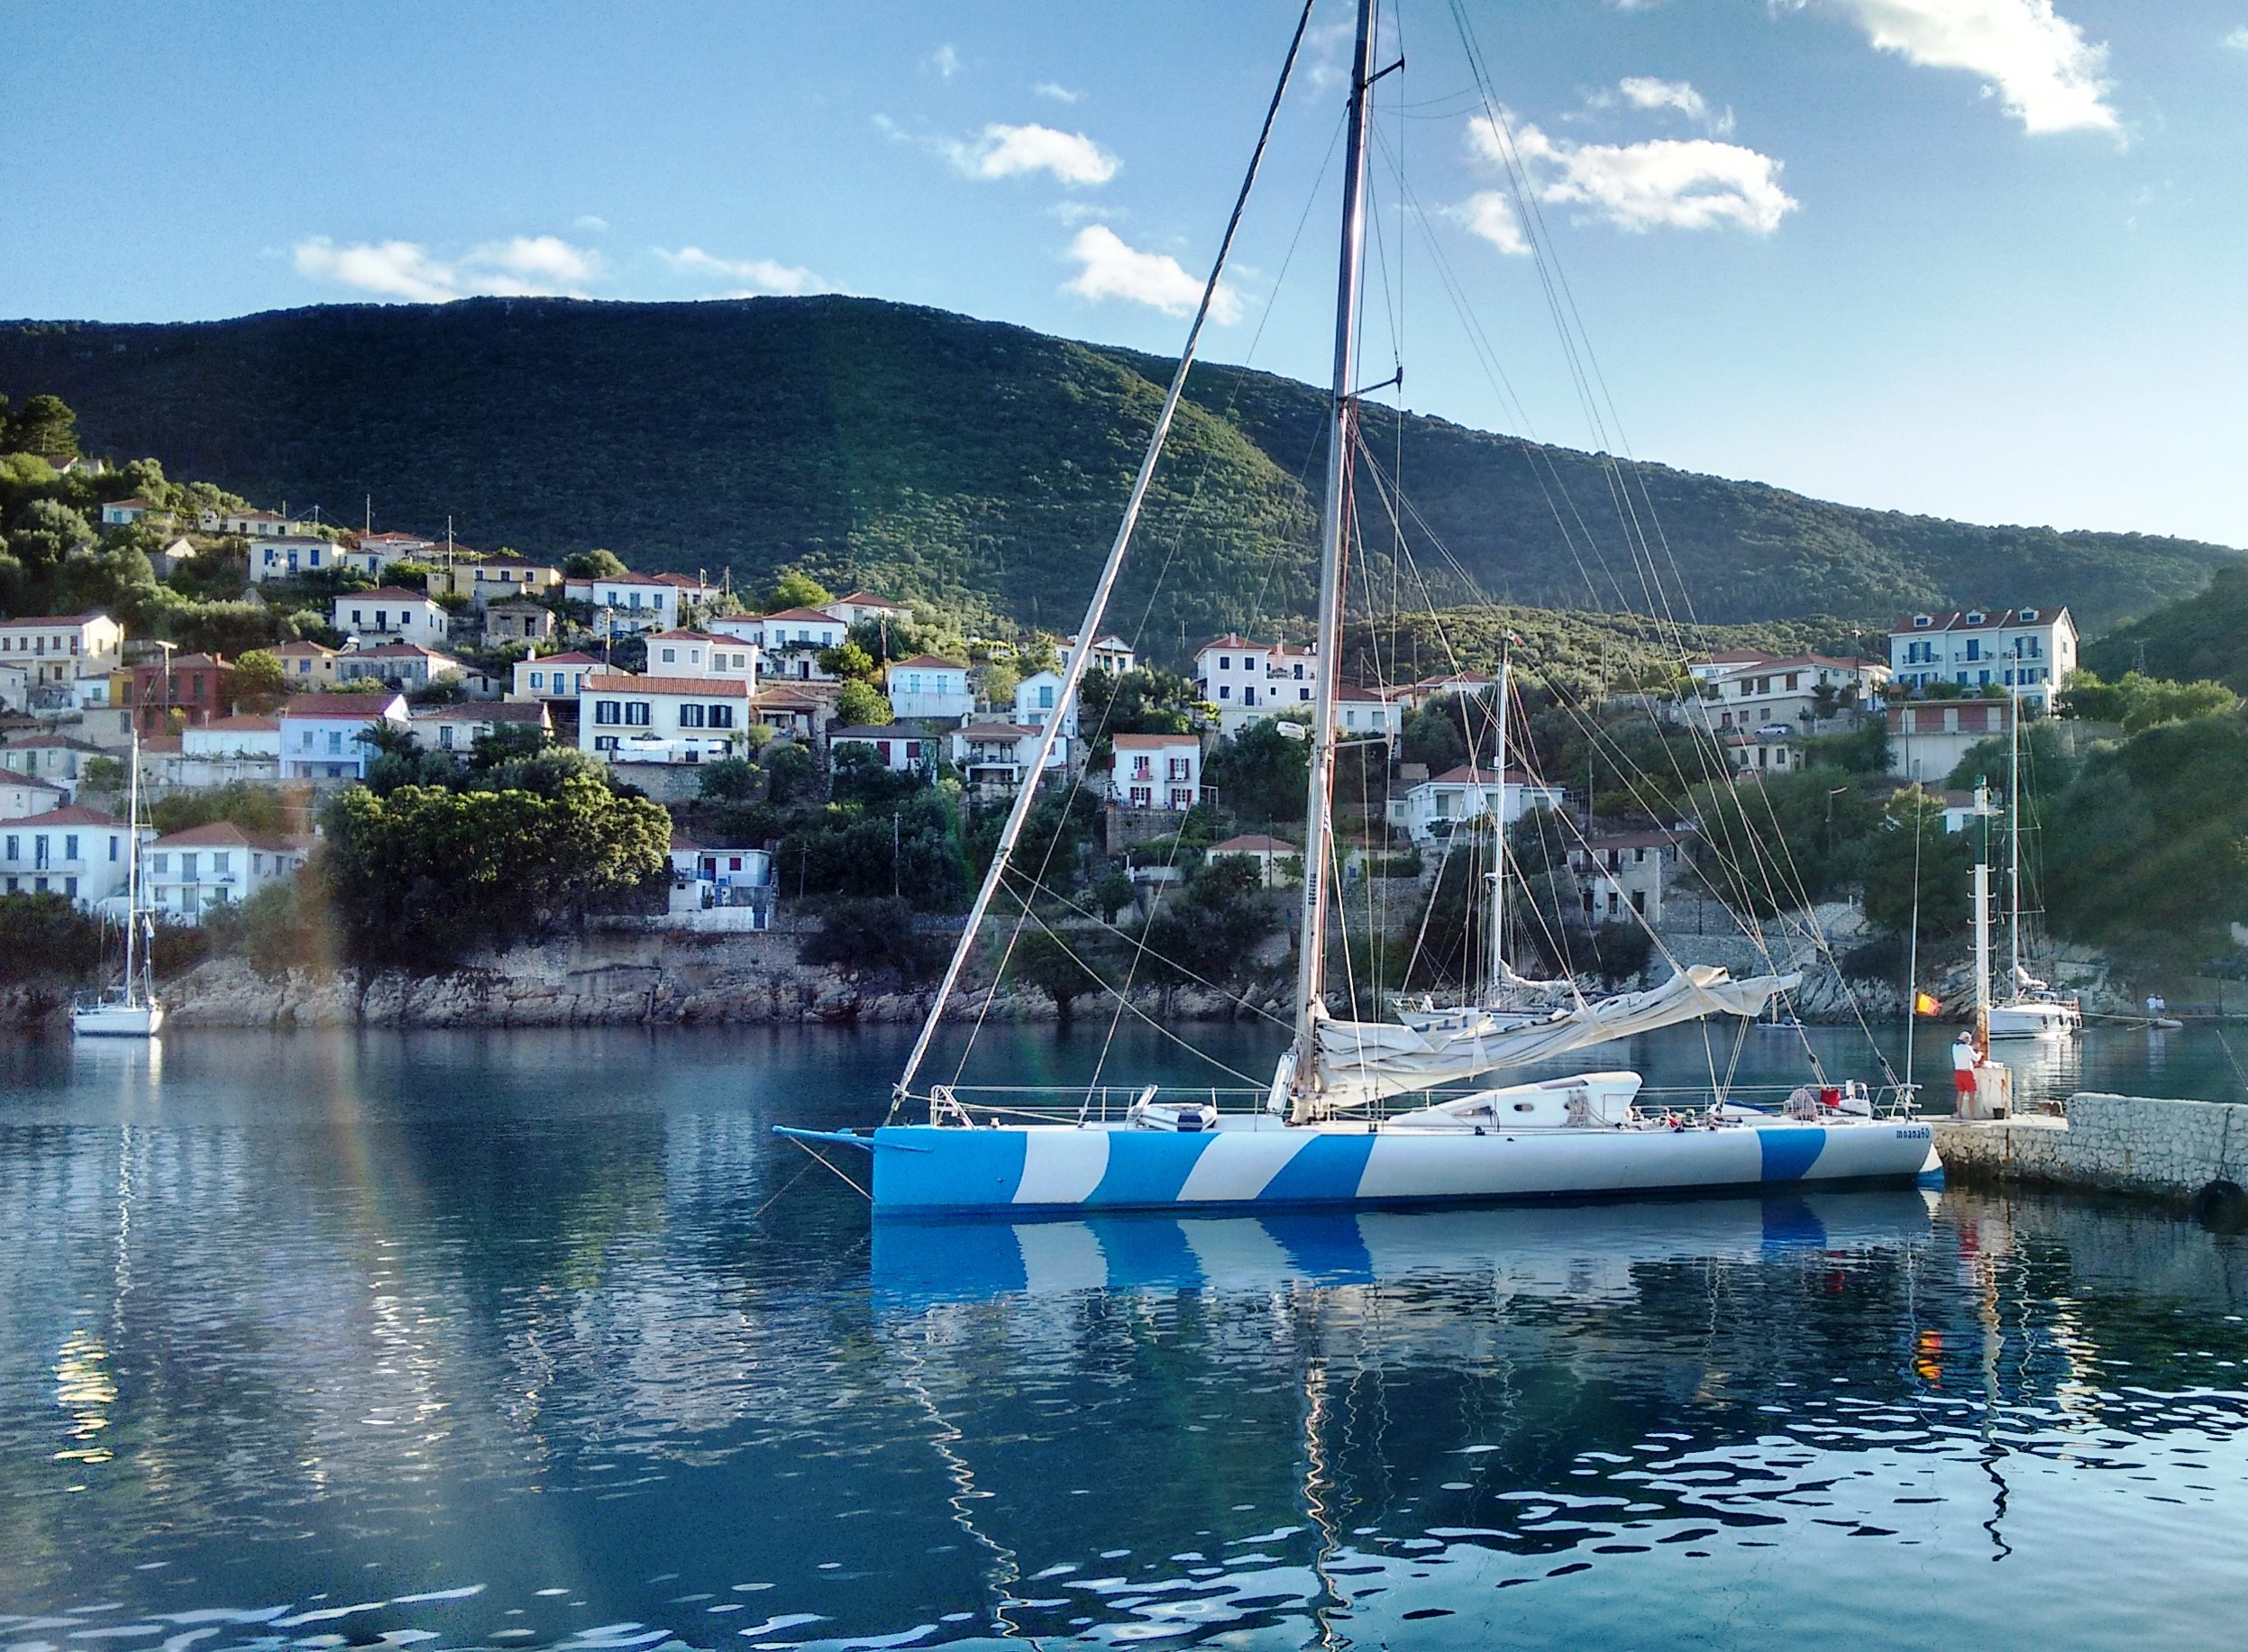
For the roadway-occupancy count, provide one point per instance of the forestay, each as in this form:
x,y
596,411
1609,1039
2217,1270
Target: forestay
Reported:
x,y
1366,1061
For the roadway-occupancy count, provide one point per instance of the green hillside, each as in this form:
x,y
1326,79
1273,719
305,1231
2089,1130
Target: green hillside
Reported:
x,y
2203,636
971,464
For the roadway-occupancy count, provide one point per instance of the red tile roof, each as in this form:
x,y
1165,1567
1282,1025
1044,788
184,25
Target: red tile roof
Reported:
x,y
387,593
368,706
76,815
1466,775
224,834
928,661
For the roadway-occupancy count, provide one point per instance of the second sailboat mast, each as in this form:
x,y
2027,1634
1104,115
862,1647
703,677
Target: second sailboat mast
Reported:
x,y
1342,418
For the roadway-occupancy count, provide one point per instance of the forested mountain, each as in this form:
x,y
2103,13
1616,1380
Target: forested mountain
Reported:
x,y
2201,636
979,466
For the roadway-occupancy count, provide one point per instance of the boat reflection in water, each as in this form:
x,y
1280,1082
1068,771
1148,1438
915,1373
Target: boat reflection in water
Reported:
x,y
1565,1250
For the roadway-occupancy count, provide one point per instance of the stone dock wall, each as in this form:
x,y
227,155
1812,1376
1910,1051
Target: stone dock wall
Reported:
x,y
2141,1145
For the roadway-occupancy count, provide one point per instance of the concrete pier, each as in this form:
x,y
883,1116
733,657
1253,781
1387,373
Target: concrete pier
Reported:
x,y
2174,1150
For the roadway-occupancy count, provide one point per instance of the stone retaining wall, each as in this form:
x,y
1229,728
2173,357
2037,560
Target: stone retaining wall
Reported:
x,y
2123,1144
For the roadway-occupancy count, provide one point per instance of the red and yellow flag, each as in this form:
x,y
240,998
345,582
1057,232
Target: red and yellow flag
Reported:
x,y
1924,1004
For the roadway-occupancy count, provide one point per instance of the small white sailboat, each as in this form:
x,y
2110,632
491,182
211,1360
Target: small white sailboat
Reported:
x,y
1322,1132
129,1009
2032,1009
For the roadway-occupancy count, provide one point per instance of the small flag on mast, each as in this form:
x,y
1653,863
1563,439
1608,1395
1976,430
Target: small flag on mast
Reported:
x,y
1924,1004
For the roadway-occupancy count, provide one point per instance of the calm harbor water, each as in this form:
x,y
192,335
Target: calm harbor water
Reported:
x,y
542,1339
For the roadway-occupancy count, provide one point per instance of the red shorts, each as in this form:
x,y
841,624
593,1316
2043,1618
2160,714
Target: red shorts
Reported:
x,y
1963,1080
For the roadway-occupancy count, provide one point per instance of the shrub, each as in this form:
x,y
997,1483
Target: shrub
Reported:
x,y
874,934
45,937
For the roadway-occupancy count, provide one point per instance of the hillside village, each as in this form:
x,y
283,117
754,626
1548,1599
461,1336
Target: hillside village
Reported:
x,y
313,707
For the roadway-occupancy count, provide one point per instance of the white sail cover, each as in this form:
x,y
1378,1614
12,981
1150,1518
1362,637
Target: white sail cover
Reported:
x,y
1364,1060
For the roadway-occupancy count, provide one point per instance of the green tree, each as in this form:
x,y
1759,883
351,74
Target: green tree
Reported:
x,y
254,808
1261,775
47,937
847,660
792,774
1112,892
1041,959
46,426
424,875
861,706
595,564
871,933
731,779
1912,865
1208,930
1770,846
259,680
2140,702
795,589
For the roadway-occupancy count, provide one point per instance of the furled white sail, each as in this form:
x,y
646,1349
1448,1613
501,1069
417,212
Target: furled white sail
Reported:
x,y
1364,1060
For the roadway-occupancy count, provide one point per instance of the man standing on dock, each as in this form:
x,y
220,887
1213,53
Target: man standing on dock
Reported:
x,y
1965,1059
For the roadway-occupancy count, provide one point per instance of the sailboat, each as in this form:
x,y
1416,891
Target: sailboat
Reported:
x,y
1321,1133
129,1009
2031,1010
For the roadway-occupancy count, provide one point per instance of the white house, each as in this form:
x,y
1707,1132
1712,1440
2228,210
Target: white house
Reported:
x,y
904,748
554,676
696,654
398,665
1038,697
791,640
728,886
1269,855
307,668
1362,714
1786,692
222,752
15,686
191,872
1773,748
255,524
241,735
2033,650
321,733
1110,653
1438,807
285,556
1927,738
121,512
994,756
1157,772
22,795
626,603
389,611
661,719
864,605
1413,695
458,727
77,853
58,759
928,687
59,648
1234,673
375,553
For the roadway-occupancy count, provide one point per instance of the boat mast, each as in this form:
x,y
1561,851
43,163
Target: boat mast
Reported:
x,y
1498,846
1341,436
1982,913
132,854
2014,836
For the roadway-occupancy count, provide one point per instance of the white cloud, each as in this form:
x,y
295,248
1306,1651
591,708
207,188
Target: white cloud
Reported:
x,y
1059,93
525,267
588,220
759,276
1009,152
944,61
2238,39
1647,91
1490,214
2048,77
1113,269
1692,183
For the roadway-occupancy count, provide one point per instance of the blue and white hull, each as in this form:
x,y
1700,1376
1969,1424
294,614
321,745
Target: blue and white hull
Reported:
x,y
1036,1169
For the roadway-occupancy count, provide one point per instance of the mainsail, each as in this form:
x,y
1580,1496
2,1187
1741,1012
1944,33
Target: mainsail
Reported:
x,y
1366,1061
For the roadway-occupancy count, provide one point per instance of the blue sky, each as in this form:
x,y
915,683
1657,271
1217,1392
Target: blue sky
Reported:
x,y
1981,258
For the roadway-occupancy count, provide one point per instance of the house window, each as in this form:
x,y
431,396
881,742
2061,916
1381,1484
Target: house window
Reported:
x,y
721,716
70,846
15,847
638,713
335,743
1921,622
113,847
355,619
669,654
1142,796
38,850
444,736
1181,797
223,864
538,680
187,867
691,717
608,711
605,743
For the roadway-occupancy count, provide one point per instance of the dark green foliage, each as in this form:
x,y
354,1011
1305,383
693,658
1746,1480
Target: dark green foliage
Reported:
x,y
596,563
1056,965
1207,930
426,875
1145,701
256,809
1112,892
1771,845
872,934
731,779
1887,867
46,936
1052,835
2190,638
283,927
911,852
1260,775
1865,750
2046,766
44,426
792,774
976,466
857,774
2144,851
1444,732
860,704
2140,702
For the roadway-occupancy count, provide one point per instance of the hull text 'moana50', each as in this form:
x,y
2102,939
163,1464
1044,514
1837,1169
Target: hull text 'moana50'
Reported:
x,y
1361,1112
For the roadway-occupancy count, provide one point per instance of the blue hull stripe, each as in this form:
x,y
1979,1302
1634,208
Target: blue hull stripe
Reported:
x,y
1789,1154
1149,1248
966,1167
1327,1171
1146,1168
